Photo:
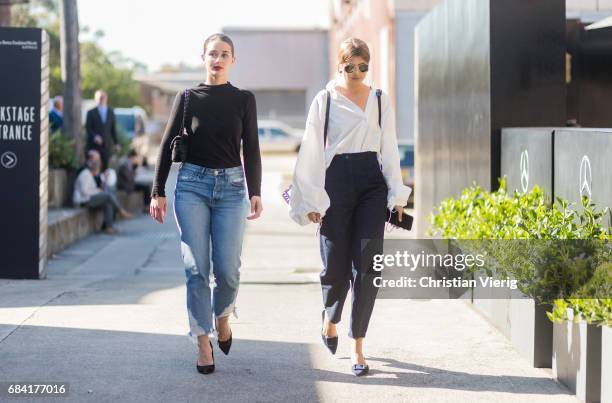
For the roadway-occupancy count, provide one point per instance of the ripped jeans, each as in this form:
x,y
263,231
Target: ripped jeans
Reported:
x,y
210,208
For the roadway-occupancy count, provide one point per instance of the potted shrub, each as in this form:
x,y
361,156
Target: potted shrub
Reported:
x,y
544,269
62,163
481,215
582,355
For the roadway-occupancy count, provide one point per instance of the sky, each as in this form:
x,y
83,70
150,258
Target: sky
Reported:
x,y
157,32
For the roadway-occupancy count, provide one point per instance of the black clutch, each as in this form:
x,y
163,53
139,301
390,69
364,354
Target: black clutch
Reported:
x,y
179,143
406,222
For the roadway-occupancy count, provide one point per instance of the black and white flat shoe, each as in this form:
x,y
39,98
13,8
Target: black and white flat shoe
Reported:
x,y
360,369
330,342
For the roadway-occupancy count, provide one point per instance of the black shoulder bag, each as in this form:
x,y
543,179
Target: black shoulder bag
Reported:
x,y
179,143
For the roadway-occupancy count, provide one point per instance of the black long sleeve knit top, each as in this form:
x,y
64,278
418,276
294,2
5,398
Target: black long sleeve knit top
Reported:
x,y
219,119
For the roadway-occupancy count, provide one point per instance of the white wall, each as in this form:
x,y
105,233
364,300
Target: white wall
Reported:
x,y
405,23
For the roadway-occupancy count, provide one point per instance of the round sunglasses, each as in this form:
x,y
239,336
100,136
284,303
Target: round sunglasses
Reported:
x,y
349,68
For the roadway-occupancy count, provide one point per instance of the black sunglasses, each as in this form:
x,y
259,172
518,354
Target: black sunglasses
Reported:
x,y
349,68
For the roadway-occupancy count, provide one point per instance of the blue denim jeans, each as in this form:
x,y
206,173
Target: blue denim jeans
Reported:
x,y
210,208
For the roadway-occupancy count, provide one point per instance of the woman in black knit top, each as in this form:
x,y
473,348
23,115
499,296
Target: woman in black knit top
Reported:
x,y
210,198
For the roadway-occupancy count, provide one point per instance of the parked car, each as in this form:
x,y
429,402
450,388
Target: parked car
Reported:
x,y
276,136
131,120
406,152
133,123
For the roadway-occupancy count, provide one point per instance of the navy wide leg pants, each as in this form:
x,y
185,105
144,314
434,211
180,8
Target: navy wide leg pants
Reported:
x,y
358,195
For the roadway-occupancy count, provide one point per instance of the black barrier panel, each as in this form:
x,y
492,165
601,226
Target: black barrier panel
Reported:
x,y
482,65
589,66
22,93
527,158
582,165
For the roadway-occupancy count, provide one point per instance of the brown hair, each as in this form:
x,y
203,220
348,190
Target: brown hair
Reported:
x,y
353,47
221,37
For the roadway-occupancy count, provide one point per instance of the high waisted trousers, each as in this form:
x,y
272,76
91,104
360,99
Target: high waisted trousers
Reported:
x,y
358,196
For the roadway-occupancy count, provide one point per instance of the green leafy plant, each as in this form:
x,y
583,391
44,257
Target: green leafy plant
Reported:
x,y
545,269
480,214
582,305
61,152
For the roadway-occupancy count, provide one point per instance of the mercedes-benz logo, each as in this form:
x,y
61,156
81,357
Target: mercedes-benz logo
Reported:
x,y
585,177
8,159
524,171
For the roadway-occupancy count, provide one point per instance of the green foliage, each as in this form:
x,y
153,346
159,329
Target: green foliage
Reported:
x,y
109,72
99,69
480,214
545,269
61,151
594,311
43,14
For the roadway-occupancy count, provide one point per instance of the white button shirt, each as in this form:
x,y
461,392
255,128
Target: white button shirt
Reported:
x,y
350,130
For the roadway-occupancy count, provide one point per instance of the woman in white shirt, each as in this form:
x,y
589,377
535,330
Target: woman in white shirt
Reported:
x,y
347,182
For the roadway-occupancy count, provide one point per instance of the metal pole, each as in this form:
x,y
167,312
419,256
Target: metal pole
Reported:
x,y
5,15
5,11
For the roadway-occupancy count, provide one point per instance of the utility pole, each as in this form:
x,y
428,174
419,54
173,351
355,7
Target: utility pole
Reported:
x,y
71,74
5,14
5,11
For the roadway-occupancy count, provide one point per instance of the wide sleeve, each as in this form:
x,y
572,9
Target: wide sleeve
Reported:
x,y
250,146
308,188
389,152
164,155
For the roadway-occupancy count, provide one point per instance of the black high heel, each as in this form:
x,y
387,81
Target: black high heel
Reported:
x,y
207,369
225,345
330,342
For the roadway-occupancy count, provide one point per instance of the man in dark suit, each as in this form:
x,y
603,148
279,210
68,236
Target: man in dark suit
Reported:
x,y
56,114
100,128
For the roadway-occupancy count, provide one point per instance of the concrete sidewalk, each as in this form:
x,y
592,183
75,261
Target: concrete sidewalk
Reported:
x,y
110,321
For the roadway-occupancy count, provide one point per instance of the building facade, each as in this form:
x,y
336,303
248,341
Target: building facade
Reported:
x,y
388,28
284,68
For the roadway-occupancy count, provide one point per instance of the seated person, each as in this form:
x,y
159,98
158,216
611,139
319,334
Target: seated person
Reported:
x,y
126,178
87,193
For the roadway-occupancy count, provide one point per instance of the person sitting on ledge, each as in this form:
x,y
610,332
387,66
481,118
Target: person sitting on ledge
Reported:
x,y
88,194
126,178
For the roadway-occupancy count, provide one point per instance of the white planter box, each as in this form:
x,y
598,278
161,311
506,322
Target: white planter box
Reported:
x,y
495,310
577,358
531,332
58,188
606,364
